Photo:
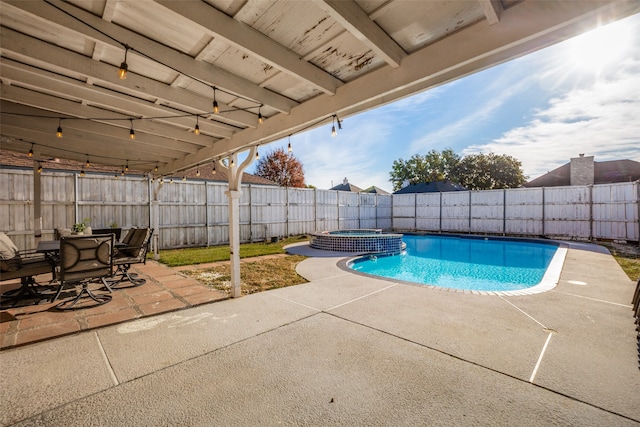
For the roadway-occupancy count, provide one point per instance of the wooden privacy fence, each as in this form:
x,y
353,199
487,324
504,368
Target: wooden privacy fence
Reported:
x,y
195,213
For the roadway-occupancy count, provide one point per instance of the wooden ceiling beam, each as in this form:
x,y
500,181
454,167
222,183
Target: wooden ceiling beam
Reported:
x,y
257,44
355,20
107,33
492,10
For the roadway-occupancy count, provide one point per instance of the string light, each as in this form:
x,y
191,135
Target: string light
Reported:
x,y
122,172
260,119
289,148
196,130
59,130
39,167
156,168
213,170
126,167
122,72
132,133
233,163
333,127
257,155
82,172
30,151
216,109
87,164
198,171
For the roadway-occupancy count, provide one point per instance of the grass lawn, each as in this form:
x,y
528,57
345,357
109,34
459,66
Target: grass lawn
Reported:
x,y
193,256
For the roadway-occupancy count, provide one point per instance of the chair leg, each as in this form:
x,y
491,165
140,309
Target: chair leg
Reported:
x,y
122,274
70,304
24,291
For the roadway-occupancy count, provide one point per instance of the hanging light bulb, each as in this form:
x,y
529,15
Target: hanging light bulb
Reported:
x,y
39,167
82,172
260,119
132,133
171,181
30,154
196,130
126,167
333,127
198,172
257,155
289,148
116,176
156,168
59,130
87,164
122,72
216,109
213,170
184,177
122,172
161,181
233,163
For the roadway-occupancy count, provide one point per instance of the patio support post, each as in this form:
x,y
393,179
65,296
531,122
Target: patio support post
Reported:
x,y
234,193
37,201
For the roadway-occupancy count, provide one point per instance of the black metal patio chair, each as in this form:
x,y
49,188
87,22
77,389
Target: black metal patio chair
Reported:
x,y
132,250
83,260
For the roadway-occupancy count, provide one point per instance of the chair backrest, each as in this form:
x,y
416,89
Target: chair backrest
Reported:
x,y
138,244
85,257
127,237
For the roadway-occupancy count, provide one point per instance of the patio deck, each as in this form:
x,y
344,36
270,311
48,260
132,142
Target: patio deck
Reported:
x,y
348,350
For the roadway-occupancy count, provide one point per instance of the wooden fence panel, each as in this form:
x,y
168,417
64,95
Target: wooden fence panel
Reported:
x,y
404,211
326,210
615,211
524,211
384,211
428,211
567,212
487,211
455,211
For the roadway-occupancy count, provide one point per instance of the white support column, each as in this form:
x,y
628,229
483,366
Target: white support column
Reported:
x,y
234,172
234,241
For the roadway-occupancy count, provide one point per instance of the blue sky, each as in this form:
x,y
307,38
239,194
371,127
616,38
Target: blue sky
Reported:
x,y
578,96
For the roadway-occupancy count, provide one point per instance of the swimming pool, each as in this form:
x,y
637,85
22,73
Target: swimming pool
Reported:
x,y
476,264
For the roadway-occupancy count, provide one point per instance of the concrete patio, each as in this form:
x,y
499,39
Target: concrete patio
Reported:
x,y
348,350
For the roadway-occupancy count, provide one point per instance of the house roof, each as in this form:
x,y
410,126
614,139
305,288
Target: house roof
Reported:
x,y
431,187
297,64
375,190
606,172
23,161
347,187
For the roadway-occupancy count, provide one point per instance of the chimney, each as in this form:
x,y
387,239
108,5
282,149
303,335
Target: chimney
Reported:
x,y
582,170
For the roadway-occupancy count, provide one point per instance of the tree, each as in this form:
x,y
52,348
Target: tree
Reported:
x,y
489,171
281,167
434,166
475,171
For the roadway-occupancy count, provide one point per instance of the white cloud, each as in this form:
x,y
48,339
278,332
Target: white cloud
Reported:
x,y
600,120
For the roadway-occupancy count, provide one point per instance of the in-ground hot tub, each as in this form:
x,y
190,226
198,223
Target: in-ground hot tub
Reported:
x,y
361,241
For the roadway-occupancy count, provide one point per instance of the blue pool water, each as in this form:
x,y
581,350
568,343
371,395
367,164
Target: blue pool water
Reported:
x,y
464,263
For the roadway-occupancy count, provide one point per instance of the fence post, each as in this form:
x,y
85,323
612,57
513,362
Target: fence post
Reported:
x,y
315,209
415,211
591,212
286,216
544,205
440,215
504,212
469,213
